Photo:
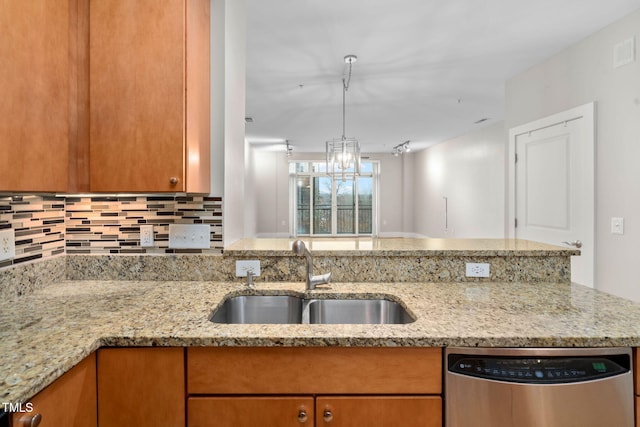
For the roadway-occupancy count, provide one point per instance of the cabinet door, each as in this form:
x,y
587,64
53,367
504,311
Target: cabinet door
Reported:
x,y
141,387
69,402
250,411
137,63
379,411
38,93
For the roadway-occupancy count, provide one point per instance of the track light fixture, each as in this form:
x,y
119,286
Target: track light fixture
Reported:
x,y
401,148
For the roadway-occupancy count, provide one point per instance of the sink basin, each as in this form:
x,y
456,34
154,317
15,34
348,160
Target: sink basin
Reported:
x,y
259,309
282,309
357,311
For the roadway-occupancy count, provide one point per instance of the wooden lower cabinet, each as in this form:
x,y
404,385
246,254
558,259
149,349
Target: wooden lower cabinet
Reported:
x,y
379,411
281,411
69,402
314,386
141,387
636,384
314,370
330,411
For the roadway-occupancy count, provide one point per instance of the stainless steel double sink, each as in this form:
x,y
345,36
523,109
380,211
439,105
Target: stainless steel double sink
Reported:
x,y
286,309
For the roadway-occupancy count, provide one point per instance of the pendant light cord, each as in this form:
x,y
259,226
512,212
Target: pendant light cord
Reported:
x,y
345,88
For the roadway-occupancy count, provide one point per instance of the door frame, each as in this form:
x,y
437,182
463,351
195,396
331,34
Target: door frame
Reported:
x,y
584,112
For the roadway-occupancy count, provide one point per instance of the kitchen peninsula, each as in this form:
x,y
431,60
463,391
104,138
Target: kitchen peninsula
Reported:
x,y
50,330
411,259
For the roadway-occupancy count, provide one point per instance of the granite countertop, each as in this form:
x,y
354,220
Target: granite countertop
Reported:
x,y
44,334
378,246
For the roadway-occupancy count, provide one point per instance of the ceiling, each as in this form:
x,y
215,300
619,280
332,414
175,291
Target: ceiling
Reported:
x,y
427,70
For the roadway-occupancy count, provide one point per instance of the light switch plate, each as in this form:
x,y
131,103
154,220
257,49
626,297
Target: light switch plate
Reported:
x,y
189,236
7,244
617,225
247,265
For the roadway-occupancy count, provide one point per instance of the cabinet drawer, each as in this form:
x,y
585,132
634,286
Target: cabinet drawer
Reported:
x,y
379,411
314,370
250,411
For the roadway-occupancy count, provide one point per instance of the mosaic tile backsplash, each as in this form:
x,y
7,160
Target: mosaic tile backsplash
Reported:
x,y
46,226
111,224
38,224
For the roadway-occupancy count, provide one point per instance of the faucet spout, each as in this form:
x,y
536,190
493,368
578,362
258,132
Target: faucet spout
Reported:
x,y
300,249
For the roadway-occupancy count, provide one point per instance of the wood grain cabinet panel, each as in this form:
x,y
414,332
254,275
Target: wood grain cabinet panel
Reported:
x,y
282,411
69,402
346,386
142,387
43,94
636,384
149,89
379,411
300,370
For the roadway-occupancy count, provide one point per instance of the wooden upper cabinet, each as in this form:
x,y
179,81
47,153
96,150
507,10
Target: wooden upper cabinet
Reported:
x,y
42,94
149,91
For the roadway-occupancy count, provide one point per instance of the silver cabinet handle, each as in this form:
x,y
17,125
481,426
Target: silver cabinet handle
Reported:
x,y
577,244
173,180
327,415
302,416
30,420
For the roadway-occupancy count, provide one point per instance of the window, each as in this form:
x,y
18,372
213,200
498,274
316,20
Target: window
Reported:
x,y
325,206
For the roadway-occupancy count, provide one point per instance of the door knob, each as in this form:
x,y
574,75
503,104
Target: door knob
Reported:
x,y
302,416
577,244
327,415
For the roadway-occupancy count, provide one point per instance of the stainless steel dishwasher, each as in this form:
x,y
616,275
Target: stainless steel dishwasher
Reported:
x,y
543,387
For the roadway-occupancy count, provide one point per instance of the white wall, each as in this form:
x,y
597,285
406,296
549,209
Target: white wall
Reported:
x,y
469,171
271,193
578,75
228,65
395,195
270,183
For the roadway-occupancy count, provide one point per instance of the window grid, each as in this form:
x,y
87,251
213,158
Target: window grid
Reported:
x,y
322,205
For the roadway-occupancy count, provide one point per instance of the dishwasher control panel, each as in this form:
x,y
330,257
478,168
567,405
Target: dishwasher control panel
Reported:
x,y
538,370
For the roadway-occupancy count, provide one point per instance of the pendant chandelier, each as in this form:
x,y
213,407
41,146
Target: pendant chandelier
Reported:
x,y
343,155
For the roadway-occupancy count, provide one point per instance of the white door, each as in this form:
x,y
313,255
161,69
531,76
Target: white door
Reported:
x,y
554,185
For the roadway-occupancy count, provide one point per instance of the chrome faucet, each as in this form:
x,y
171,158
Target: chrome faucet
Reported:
x,y
299,248
250,276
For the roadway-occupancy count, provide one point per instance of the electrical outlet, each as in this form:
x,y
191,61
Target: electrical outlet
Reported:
x,y
146,235
474,269
247,265
7,244
189,236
